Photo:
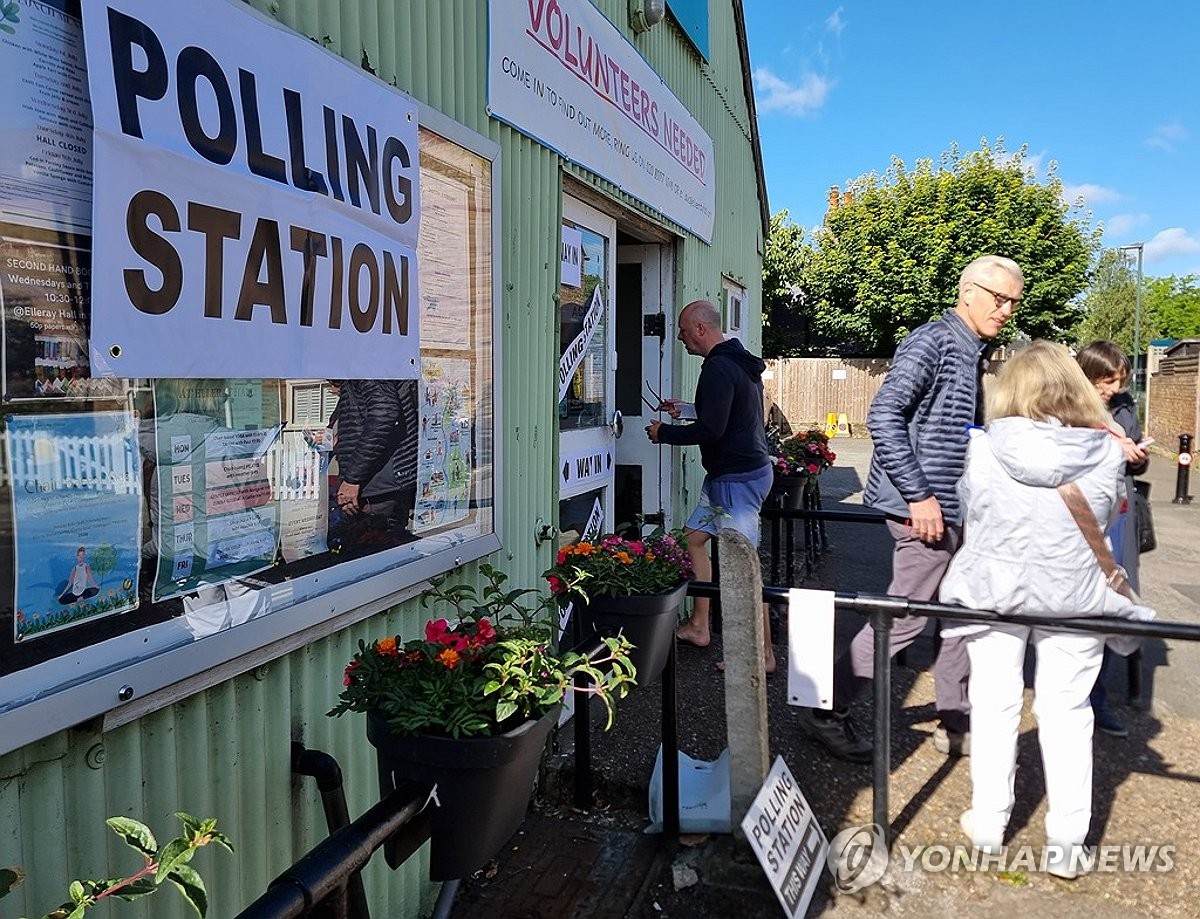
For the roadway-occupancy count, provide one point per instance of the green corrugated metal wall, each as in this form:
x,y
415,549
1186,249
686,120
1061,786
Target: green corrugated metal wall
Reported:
x,y
225,752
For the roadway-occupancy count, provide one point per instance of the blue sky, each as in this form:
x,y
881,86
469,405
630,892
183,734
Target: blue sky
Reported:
x,y
1109,91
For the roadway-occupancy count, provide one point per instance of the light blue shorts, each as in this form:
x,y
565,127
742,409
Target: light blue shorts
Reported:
x,y
733,501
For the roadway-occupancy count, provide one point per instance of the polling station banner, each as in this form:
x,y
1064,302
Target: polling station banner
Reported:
x,y
256,207
560,72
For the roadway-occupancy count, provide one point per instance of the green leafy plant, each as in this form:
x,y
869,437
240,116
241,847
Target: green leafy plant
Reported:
x,y
489,671
620,567
806,453
167,863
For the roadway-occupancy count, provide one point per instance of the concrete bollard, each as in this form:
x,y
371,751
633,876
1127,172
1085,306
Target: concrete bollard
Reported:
x,y
745,673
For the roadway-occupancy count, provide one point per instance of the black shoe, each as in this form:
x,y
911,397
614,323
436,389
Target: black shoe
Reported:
x,y
837,735
1110,724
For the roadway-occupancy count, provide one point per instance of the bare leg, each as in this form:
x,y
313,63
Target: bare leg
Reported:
x,y
696,630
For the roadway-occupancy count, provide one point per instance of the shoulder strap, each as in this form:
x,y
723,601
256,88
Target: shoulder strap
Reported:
x,y
1090,527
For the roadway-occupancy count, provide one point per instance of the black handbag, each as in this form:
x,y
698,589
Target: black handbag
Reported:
x,y
1143,518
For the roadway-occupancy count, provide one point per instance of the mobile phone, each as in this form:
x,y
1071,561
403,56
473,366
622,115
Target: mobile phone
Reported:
x,y
1143,444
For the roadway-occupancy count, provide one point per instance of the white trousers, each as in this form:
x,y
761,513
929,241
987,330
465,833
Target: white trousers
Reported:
x,y
1067,666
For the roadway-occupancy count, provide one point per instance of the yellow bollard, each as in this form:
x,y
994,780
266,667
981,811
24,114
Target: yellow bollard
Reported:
x,y
831,424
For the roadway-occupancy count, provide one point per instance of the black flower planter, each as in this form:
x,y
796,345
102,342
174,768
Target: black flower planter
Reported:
x,y
789,490
647,620
483,786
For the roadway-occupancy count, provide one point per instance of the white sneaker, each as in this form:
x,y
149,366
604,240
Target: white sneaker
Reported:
x,y
1068,862
988,846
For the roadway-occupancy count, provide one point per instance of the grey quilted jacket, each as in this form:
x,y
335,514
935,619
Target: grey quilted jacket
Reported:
x,y
920,417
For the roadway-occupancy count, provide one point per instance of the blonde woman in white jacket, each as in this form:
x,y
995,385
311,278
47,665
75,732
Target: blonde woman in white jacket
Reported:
x,y
1024,553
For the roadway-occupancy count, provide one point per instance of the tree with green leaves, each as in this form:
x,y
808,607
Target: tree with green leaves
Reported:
x,y
1170,306
103,560
785,327
1110,302
889,259
1174,304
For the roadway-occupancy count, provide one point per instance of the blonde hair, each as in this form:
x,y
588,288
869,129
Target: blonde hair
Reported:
x,y
1043,381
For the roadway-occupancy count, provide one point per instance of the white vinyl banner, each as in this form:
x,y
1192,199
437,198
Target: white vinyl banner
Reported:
x,y
562,73
256,205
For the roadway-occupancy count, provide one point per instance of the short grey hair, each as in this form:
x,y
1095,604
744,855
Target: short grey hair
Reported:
x,y
705,312
985,263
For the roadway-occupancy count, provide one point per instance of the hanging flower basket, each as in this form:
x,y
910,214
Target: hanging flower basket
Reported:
x,y
483,786
647,620
630,586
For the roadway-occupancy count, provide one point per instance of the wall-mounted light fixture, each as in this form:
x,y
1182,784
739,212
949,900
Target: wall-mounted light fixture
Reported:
x,y
646,13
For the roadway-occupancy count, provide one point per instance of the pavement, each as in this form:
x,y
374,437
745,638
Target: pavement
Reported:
x,y
597,863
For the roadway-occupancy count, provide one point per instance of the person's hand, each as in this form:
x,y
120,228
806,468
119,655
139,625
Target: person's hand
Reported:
x,y
671,407
652,430
925,518
347,498
1133,453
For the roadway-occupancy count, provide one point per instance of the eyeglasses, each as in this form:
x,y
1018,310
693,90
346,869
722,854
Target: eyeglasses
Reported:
x,y
1000,298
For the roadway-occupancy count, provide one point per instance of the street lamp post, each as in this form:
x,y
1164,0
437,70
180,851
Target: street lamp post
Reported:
x,y
1137,316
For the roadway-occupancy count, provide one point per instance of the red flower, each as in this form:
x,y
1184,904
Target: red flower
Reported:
x,y
348,674
436,631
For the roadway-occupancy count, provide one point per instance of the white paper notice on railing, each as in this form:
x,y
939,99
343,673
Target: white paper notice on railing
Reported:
x,y
810,648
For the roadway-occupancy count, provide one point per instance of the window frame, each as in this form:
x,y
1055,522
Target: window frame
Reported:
x,y
130,675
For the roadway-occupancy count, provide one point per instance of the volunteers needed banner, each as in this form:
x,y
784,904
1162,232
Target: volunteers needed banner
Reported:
x,y
255,205
562,73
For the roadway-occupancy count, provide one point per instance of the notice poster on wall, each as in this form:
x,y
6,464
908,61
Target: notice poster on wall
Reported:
x,y
301,483
215,515
447,438
76,498
45,119
277,234
45,304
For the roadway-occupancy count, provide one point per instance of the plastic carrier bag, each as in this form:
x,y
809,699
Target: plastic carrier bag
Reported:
x,y
704,800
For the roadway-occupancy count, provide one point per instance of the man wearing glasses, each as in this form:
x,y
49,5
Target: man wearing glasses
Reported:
x,y
918,421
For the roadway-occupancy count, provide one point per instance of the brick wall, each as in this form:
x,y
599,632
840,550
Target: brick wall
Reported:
x,y
1173,407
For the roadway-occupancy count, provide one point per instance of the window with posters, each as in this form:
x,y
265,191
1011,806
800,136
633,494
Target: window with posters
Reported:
x,y
140,513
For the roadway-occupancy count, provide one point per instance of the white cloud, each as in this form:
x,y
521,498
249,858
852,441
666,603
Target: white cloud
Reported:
x,y
1122,225
1167,136
1171,242
835,23
779,95
1091,194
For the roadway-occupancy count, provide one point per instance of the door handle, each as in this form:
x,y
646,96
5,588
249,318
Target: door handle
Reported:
x,y
617,424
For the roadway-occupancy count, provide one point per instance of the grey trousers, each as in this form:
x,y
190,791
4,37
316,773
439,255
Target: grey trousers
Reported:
x,y
917,571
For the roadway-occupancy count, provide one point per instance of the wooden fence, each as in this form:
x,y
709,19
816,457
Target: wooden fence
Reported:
x,y
802,391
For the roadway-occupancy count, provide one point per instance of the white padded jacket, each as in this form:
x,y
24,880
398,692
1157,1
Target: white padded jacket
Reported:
x,y
1022,550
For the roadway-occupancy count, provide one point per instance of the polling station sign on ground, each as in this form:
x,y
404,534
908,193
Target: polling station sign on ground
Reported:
x,y
785,835
562,73
256,206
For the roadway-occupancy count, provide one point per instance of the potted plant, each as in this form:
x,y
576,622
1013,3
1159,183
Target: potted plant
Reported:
x,y
630,587
798,460
468,707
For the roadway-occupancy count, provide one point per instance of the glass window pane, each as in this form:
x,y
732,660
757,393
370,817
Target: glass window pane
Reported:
x,y
584,339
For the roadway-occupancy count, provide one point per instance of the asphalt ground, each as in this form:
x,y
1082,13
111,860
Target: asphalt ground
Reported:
x,y
597,863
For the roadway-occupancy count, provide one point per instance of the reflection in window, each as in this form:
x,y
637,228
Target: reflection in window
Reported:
x,y
125,503
583,334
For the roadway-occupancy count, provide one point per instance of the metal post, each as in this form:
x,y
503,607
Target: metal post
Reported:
x,y
1185,465
1135,386
670,748
582,719
1137,331
881,766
